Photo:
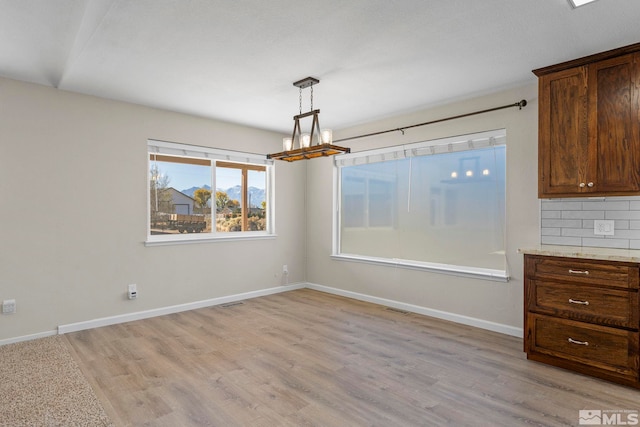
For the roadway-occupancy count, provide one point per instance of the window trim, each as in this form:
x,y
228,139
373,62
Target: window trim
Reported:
x,y
173,239
451,144
454,270
223,158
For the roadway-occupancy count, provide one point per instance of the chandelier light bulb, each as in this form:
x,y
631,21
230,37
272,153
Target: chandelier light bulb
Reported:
x,y
326,136
305,140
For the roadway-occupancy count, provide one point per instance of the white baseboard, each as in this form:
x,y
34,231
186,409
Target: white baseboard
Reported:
x,y
28,337
457,318
122,318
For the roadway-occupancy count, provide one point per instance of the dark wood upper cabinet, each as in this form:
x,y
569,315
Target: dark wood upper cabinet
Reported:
x,y
562,134
589,126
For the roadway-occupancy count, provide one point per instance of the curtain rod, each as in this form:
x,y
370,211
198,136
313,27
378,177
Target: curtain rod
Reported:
x,y
519,104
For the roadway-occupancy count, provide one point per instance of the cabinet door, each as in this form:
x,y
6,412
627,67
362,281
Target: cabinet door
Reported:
x,y
614,125
562,139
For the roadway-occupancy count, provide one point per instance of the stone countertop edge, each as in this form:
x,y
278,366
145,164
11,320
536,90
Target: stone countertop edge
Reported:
x,y
607,254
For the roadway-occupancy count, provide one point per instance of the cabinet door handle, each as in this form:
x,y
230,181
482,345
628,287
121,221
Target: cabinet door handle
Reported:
x,y
585,272
582,185
575,301
572,341
590,184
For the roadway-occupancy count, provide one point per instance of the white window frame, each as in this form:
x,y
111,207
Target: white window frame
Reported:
x,y
451,144
213,154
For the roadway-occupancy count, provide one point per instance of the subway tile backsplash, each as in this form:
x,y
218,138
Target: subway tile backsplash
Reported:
x,y
570,222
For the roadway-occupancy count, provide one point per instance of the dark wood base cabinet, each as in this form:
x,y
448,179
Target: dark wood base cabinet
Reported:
x,y
583,315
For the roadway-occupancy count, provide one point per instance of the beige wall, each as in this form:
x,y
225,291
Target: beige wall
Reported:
x,y
488,301
73,212
73,216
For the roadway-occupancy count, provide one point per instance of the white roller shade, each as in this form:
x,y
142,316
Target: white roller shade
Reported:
x,y
425,148
175,149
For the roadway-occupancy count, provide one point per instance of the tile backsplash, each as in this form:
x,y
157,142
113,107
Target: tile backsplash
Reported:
x,y
570,222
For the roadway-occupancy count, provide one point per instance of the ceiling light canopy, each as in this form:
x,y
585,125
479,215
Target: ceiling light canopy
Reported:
x,y
578,3
306,147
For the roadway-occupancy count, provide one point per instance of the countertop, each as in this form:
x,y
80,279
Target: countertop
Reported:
x,y
607,254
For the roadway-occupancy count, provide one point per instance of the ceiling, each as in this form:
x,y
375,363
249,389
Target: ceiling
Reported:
x,y
236,60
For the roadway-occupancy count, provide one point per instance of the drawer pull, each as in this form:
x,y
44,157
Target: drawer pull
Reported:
x,y
585,272
575,301
572,341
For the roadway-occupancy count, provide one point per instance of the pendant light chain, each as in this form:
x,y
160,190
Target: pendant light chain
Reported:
x,y
300,98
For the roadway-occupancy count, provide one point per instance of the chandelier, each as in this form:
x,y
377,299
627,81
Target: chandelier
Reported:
x,y
305,141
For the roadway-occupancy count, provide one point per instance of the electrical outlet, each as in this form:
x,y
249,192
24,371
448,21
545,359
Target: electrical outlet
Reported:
x,y
132,291
603,227
285,269
8,306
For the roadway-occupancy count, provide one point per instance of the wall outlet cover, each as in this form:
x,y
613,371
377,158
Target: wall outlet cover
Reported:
x,y
132,291
602,227
9,306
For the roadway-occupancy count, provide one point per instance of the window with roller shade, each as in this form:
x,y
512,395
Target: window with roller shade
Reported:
x,y
436,205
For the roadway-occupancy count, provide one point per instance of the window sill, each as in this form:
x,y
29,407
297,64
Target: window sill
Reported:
x,y
455,270
188,239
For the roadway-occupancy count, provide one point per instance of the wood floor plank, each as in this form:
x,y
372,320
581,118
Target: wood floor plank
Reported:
x,y
306,358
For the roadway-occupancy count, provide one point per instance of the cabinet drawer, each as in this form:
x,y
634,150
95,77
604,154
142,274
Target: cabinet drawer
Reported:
x,y
609,307
602,273
601,347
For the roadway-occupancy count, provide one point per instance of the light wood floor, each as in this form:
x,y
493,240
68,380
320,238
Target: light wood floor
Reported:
x,y
306,358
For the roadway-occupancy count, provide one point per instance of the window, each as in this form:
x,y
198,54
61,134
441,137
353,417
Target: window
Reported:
x,y
198,193
437,205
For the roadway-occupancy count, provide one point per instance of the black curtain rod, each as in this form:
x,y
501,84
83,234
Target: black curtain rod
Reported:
x,y
519,104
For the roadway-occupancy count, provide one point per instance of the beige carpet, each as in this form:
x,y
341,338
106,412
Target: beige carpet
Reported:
x,y
41,385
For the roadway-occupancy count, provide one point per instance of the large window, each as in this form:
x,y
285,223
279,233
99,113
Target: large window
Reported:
x,y
198,193
436,205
